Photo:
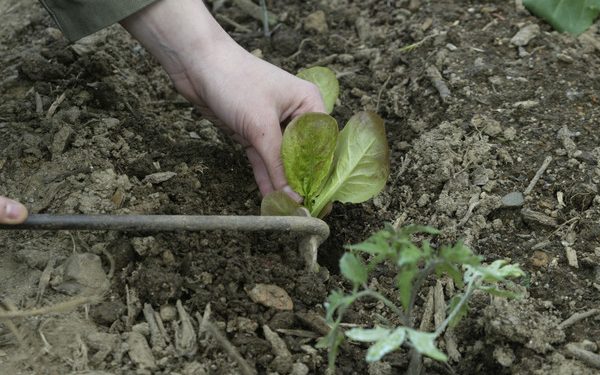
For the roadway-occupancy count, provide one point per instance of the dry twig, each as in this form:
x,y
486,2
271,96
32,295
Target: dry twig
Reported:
x,y
59,307
587,357
577,317
538,175
55,104
231,350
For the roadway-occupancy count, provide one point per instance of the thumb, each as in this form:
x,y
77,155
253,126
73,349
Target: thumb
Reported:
x,y
11,212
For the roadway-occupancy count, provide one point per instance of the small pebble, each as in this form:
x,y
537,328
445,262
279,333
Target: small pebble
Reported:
x,y
316,22
539,259
271,296
168,313
157,178
509,133
514,199
299,368
526,104
525,35
588,345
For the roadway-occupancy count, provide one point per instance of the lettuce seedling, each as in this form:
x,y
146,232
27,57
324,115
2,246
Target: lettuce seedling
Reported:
x,y
325,165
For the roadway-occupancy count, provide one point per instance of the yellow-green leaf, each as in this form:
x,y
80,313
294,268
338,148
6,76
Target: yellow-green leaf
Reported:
x,y
278,203
326,81
362,162
307,151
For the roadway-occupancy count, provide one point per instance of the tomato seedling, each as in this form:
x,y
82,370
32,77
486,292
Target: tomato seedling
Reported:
x,y
414,263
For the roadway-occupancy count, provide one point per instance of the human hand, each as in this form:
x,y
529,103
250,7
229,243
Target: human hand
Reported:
x,y
251,97
11,212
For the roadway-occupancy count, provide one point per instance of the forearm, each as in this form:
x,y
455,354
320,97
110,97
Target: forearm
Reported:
x,y
176,31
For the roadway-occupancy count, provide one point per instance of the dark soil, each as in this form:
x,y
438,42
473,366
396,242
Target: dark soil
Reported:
x,y
119,120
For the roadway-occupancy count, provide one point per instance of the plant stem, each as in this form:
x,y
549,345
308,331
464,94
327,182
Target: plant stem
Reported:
x,y
415,366
416,287
265,18
470,289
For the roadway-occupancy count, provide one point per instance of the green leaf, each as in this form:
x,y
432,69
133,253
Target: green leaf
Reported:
x,y
459,254
307,151
370,247
362,163
353,269
336,300
326,81
498,292
368,334
424,343
573,16
499,270
386,345
377,244
452,271
404,280
409,255
278,203
414,229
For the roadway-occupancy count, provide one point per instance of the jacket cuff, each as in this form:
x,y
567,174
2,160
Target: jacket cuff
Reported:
x,y
78,18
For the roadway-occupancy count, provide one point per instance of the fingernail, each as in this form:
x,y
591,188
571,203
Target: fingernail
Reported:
x,y
295,196
14,210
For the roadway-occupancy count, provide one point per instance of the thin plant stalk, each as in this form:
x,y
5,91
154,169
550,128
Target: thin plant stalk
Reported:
x,y
265,18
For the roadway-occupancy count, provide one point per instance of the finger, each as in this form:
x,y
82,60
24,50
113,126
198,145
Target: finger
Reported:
x,y
266,140
312,102
261,175
11,212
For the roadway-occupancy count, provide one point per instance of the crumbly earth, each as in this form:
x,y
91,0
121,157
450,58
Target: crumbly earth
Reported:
x,y
82,125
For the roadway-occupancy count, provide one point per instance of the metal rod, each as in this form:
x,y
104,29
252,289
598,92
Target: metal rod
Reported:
x,y
313,231
158,223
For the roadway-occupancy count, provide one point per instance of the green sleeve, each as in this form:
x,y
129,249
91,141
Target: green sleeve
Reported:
x,y
78,18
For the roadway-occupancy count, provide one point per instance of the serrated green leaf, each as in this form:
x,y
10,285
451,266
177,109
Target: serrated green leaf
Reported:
x,y
499,270
459,254
278,203
415,229
353,268
373,246
336,300
404,281
307,151
326,81
452,271
368,334
424,343
573,16
409,255
362,163
426,249
386,345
